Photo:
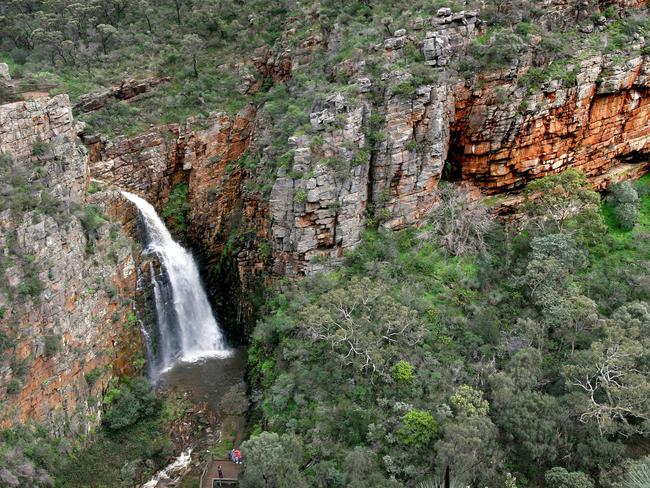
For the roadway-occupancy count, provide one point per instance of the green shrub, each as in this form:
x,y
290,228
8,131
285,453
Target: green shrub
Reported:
x,y
423,75
133,401
338,164
561,478
223,448
355,426
403,372
533,79
31,286
40,147
405,88
362,156
14,386
50,205
92,376
301,196
411,145
53,345
177,207
92,219
524,28
131,319
418,429
93,188
625,200
249,162
494,50
413,54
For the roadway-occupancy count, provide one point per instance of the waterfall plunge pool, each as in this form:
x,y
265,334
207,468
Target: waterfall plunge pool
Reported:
x,y
191,353
217,381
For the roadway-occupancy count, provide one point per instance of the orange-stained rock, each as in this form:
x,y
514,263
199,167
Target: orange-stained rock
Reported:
x,y
596,127
78,324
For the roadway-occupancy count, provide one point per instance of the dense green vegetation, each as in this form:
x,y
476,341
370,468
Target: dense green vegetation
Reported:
x,y
177,207
83,47
134,443
521,353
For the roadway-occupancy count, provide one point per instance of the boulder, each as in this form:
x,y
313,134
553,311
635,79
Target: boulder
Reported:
x,y
4,72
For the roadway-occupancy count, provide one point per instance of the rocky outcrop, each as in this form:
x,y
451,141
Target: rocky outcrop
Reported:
x,y
66,323
375,154
342,176
379,159
598,126
127,90
449,36
407,166
318,207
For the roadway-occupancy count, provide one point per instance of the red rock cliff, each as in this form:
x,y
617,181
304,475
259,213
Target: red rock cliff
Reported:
x,y
66,324
599,126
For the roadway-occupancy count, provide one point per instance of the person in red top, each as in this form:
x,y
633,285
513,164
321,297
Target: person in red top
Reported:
x,y
237,456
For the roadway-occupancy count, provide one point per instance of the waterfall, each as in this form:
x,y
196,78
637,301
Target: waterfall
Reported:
x,y
187,329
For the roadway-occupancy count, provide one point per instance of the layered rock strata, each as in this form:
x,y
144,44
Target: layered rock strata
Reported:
x,y
599,126
66,323
377,156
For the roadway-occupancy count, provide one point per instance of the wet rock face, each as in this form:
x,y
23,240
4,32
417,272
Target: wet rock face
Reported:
x,y
66,323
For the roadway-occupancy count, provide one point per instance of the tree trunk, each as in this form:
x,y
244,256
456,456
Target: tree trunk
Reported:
x,y
148,22
177,3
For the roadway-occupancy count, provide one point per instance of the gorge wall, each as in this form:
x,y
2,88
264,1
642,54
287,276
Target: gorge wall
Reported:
x,y
372,153
66,320
376,157
599,127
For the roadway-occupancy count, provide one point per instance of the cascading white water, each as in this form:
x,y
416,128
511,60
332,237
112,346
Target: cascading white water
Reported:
x,y
187,328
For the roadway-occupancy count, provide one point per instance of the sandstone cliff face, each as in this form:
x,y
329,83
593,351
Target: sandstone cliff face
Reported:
x,y
199,153
490,136
374,154
599,127
66,322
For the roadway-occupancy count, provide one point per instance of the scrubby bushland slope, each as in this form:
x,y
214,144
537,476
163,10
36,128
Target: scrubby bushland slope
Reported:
x,y
464,343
